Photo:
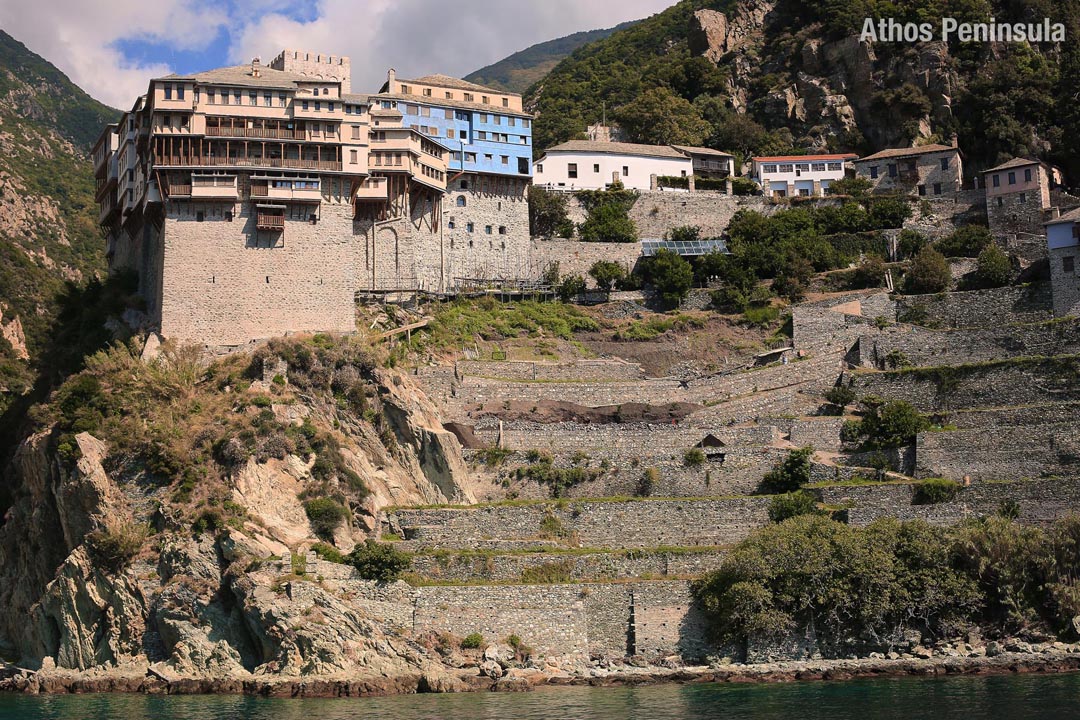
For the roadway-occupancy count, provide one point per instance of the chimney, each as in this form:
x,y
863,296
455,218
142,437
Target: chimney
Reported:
x,y
391,78
1055,213
256,67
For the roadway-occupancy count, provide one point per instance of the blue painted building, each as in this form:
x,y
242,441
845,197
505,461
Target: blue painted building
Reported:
x,y
487,129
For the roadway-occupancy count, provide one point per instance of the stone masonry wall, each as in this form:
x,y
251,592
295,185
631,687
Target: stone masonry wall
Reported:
x,y
992,385
579,370
1002,453
576,257
616,524
981,308
224,283
1040,501
593,566
922,346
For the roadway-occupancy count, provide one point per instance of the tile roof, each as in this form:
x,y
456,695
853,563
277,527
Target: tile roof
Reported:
x,y
1071,216
908,152
1015,162
447,103
241,75
452,82
693,150
618,148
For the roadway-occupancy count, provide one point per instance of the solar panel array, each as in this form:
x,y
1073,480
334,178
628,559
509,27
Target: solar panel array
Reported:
x,y
684,247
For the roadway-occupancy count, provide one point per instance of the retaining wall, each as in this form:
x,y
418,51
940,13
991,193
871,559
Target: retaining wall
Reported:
x,y
1000,453
989,308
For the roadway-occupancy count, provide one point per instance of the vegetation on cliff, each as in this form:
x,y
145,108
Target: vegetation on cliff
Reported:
x,y
860,588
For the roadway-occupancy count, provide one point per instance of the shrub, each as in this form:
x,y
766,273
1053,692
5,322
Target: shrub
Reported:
x,y
494,456
1009,509
607,274
792,504
116,547
742,186
935,490
670,274
608,222
377,561
929,273
570,287
968,241
326,515
894,424
552,573
896,359
909,243
694,457
841,395
472,641
856,187
993,269
647,483
789,475
329,553
762,317
869,274
547,213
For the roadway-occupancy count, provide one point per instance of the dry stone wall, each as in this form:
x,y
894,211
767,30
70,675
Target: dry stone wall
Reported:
x,y
923,347
575,257
1007,383
615,524
593,566
1039,501
1001,453
994,307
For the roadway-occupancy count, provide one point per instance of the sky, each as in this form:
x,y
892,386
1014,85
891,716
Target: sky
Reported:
x,y
111,48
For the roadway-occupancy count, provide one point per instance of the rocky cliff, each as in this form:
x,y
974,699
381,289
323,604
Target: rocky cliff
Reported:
x,y
114,555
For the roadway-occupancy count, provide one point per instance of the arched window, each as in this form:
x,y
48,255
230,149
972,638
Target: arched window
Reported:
x,y
461,201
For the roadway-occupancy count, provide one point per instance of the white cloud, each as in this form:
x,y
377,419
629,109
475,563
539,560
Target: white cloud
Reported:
x,y
414,36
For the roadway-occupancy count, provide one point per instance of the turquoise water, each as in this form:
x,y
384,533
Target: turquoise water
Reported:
x,y
971,698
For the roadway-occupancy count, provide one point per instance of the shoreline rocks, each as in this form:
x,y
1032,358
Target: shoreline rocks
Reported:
x,y
1045,658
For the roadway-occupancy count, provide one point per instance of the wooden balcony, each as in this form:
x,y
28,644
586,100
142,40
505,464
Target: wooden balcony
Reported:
x,y
256,162
265,133
264,221
176,190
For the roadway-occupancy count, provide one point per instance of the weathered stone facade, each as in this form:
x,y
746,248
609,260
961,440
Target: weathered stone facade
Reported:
x,y
224,283
980,308
1002,453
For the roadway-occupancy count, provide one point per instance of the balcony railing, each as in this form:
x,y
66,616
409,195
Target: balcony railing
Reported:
x,y
270,222
179,190
262,162
267,133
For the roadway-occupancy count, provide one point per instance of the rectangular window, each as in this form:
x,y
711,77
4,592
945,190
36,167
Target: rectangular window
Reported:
x,y
253,97
425,111
481,135
922,190
496,119
352,156
512,122
1068,264
355,132
524,122
450,133
427,92
468,97
168,91
997,181
571,170
470,157
804,167
318,106
1027,175
412,109
786,168
483,117
448,114
1023,198
449,95
304,105
892,170
405,90
937,188
835,166
179,92
818,167
506,102
625,171
596,167
238,97
768,168
484,100
464,136
874,172
505,159
330,107
1012,178
281,99
523,165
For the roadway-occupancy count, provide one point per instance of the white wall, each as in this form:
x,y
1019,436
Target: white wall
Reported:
x,y
552,170
801,179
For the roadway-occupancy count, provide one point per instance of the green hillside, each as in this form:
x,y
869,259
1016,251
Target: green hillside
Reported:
x,y
519,71
791,76
49,238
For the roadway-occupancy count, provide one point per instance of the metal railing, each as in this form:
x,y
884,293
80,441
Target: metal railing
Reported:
x,y
292,163
268,133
